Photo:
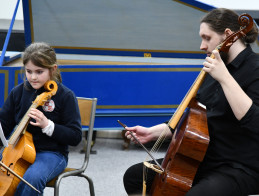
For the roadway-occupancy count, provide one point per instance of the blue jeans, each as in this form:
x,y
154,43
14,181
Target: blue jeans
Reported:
x,y
47,165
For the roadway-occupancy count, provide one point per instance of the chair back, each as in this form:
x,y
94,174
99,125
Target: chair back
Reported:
x,y
87,107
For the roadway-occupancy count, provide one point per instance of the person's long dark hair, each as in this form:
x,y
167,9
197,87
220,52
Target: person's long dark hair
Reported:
x,y
220,19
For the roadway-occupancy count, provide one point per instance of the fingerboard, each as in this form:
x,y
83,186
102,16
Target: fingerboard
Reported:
x,y
22,126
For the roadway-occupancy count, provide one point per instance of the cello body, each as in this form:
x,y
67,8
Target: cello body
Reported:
x,y
185,153
23,155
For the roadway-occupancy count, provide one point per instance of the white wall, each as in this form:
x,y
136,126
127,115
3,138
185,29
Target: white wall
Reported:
x,y
234,4
7,8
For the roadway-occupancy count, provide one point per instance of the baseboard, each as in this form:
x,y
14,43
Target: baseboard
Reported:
x,y
109,134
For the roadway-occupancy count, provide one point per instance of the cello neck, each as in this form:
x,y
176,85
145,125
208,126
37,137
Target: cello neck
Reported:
x,y
21,127
190,95
187,99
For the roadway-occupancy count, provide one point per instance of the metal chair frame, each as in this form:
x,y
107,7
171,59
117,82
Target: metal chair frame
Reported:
x,y
55,183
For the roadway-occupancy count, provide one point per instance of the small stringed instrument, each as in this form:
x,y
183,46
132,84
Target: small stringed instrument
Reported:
x,y
190,140
20,153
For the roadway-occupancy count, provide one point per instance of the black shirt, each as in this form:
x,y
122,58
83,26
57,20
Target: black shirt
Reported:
x,y
232,142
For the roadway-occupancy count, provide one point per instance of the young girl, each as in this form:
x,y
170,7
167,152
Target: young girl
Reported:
x,y
53,128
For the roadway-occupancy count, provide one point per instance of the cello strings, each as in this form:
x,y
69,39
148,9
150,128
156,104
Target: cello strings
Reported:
x,y
154,150
156,147
159,141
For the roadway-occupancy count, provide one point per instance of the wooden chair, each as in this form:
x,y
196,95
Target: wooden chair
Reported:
x,y
87,107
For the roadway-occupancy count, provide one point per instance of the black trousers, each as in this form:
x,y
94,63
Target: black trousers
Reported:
x,y
223,181
133,178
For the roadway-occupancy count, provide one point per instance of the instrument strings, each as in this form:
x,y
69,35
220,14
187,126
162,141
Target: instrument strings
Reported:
x,y
154,150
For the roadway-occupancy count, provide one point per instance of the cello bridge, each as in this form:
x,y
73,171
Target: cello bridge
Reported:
x,y
153,167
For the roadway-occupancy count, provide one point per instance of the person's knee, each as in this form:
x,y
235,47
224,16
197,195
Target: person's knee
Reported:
x,y
127,181
132,180
38,181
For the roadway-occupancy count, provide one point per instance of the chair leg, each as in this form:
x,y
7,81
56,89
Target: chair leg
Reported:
x,y
56,187
56,191
91,184
83,150
90,181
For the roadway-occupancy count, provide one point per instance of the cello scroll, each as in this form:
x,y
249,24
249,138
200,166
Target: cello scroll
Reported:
x,y
246,23
51,87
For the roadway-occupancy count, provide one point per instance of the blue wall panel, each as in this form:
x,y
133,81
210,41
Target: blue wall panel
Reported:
x,y
2,89
134,94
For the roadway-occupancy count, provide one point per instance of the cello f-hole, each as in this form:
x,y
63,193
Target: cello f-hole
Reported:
x,y
7,172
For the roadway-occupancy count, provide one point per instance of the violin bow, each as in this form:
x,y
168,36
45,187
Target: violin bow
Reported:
x,y
160,167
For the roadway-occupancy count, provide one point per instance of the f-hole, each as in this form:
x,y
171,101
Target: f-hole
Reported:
x,y
8,171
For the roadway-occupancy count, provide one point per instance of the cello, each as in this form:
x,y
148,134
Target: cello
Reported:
x,y
20,152
191,138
